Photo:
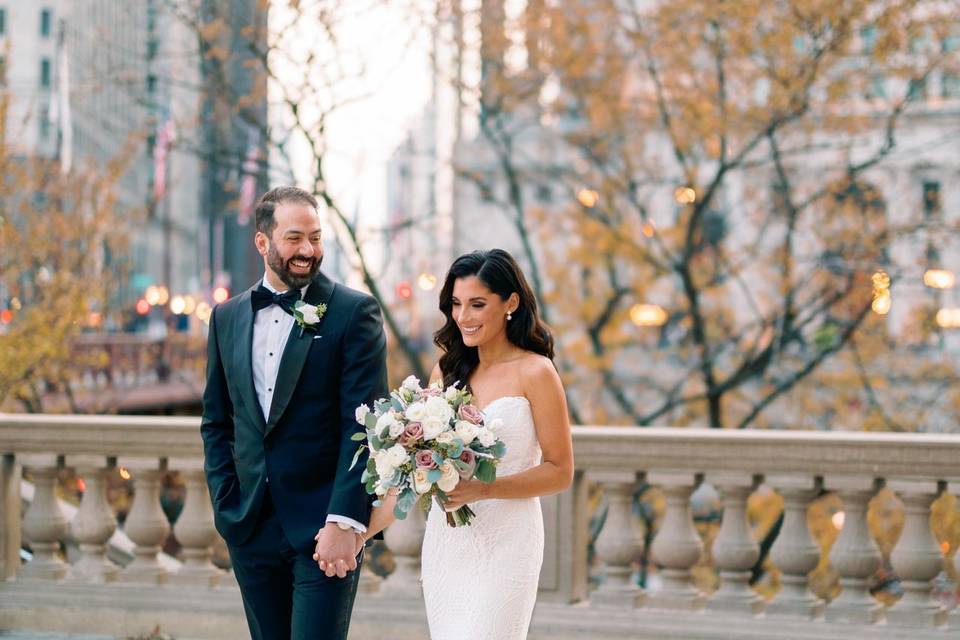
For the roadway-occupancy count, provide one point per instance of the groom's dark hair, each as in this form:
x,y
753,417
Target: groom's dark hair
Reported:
x,y
269,201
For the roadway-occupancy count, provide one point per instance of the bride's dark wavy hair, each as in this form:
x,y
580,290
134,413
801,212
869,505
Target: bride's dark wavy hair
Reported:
x,y
500,273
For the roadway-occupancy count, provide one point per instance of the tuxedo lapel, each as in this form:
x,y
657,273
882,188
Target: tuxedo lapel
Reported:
x,y
243,342
295,353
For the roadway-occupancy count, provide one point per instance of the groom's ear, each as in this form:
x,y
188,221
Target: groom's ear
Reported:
x,y
262,243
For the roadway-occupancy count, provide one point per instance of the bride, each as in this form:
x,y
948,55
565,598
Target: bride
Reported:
x,y
480,581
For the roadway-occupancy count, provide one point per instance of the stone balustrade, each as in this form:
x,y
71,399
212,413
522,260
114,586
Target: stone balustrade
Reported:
x,y
94,595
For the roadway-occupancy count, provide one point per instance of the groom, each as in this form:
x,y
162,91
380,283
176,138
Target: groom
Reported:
x,y
283,383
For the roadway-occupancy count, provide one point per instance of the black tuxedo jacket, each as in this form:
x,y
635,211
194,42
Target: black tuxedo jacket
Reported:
x,y
302,452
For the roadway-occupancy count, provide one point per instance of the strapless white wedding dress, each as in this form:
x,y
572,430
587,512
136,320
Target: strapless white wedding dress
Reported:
x,y
480,581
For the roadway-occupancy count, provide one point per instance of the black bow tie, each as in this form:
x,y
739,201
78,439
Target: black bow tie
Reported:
x,y
263,298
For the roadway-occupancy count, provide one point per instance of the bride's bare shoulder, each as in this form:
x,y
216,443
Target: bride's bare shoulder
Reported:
x,y
535,368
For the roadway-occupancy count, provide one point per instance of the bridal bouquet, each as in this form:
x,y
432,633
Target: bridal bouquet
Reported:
x,y
422,442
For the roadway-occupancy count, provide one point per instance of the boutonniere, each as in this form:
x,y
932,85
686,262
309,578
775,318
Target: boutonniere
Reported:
x,y
308,315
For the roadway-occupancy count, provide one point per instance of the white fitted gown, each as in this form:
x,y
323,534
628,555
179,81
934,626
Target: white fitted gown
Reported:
x,y
480,581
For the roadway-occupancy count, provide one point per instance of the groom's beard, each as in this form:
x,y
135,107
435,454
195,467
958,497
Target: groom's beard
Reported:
x,y
282,268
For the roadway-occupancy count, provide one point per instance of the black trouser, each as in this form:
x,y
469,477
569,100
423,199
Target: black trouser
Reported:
x,y
285,594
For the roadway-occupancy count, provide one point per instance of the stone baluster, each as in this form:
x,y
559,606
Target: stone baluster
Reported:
x,y
734,550
44,524
405,539
917,558
370,582
146,525
677,546
194,528
794,551
94,522
619,543
10,525
854,554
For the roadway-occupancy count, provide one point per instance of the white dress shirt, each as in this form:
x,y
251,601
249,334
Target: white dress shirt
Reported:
x,y
271,329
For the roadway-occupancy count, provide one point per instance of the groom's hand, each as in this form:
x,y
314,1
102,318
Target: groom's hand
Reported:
x,y
336,551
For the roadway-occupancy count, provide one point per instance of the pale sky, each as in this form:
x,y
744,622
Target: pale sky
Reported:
x,y
397,78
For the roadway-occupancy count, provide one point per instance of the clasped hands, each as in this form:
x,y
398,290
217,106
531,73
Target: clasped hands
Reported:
x,y
337,549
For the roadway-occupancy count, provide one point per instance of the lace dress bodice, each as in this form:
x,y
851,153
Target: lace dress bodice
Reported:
x,y
480,581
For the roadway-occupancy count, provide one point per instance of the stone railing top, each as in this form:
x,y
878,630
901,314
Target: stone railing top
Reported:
x,y
919,456
617,449
141,436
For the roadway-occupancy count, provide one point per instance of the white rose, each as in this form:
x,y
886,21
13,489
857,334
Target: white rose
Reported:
x,y
420,483
412,383
445,438
451,394
416,412
384,464
438,407
466,431
396,428
361,414
385,423
486,437
495,424
450,477
309,313
397,455
432,427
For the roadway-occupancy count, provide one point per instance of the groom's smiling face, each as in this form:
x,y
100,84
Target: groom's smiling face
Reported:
x,y
292,252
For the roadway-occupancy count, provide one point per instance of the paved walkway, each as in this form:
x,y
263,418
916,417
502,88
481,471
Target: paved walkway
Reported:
x,y
36,635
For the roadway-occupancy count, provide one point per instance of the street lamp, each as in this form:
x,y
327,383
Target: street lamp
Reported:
x,y
648,315
939,278
685,195
948,318
588,197
427,281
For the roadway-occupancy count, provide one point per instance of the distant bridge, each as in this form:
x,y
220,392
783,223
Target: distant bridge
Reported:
x,y
130,374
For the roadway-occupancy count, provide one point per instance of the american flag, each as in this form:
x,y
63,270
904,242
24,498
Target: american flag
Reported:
x,y
166,134
248,181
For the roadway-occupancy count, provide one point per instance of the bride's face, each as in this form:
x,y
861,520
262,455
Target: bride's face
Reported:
x,y
480,313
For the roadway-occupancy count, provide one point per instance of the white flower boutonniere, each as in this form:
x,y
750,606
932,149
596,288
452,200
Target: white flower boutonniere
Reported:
x,y
308,315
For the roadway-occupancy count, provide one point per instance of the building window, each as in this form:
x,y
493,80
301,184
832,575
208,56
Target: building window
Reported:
x,y
950,87
544,193
151,84
950,43
932,204
45,73
917,90
46,18
44,122
877,88
868,39
3,21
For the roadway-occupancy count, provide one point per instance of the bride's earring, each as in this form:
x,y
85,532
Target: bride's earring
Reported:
x,y
509,316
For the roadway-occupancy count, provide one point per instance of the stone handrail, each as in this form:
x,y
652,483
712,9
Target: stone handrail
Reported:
x,y
908,456
797,465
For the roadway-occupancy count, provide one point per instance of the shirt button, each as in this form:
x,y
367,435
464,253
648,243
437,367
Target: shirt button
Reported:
x,y
271,353
269,389
276,322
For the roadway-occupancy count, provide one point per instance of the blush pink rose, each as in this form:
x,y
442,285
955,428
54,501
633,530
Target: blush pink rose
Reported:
x,y
425,460
470,413
412,433
430,392
470,460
